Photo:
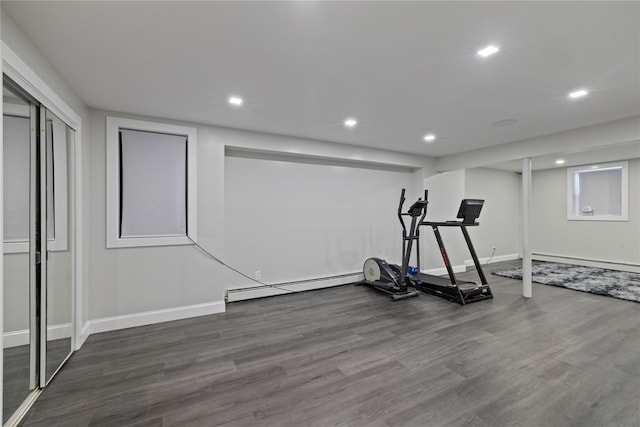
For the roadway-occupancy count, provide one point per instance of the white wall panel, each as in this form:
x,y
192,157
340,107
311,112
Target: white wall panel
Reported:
x,y
126,281
553,234
446,190
295,221
500,220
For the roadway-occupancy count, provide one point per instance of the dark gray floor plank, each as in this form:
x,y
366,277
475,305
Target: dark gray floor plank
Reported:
x,y
348,356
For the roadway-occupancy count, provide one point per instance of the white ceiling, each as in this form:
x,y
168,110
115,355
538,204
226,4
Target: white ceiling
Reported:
x,y
403,69
610,153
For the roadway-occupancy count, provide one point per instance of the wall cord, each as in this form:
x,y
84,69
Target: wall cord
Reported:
x,y
235,270
491,257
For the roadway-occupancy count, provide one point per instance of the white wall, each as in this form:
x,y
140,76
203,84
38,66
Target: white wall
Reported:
x,y
501,218
295,221
125,282
134,280
608,241
446,190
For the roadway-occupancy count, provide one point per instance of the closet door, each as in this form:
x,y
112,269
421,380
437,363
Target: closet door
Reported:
x,y
21,247
38,248
57,286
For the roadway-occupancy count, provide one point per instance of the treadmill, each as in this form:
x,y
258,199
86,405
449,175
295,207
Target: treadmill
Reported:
x,y
450,288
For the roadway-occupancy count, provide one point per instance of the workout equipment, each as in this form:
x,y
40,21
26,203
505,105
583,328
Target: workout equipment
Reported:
x,y
392,279
450,288
396,280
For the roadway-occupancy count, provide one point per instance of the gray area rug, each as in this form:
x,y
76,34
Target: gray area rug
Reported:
x,y
617,284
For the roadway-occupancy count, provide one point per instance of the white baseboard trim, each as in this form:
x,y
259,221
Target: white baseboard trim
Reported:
x,y
15,338
491,260
56,332
442,271
469,263
113,323
234,295
610,265
21,337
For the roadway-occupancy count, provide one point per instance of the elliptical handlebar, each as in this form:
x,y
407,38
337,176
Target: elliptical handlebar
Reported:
x,y
400,205
419,208
424,212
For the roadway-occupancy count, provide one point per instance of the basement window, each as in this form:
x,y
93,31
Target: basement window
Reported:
x,y
598,192
151,184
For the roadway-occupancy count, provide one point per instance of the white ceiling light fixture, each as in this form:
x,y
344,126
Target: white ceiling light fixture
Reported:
x,y
560,162
580,93
429,137
350,123
488,51
236,101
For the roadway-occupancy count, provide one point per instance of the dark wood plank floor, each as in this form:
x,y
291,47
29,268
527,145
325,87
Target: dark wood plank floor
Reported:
x,y
16,373
15,379
348,356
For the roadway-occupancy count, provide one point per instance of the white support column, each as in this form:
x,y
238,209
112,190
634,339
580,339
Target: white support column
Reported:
x,y
1,248
526,228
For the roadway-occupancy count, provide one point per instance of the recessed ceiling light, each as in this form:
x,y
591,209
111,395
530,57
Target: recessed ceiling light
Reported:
x,y
488,51
235,100
560,162
350,123
429,137
578,93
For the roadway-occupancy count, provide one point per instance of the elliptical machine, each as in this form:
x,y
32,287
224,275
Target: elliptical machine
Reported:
x,y
390,278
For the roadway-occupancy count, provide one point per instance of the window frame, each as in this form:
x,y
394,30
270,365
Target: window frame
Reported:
x,y
113,239
624,216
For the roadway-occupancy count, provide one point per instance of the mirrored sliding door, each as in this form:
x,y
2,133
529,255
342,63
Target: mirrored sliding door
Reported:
x,y
39,252
20,335
57,295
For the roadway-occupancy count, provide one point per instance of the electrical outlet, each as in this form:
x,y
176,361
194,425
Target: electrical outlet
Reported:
x,y
258,275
